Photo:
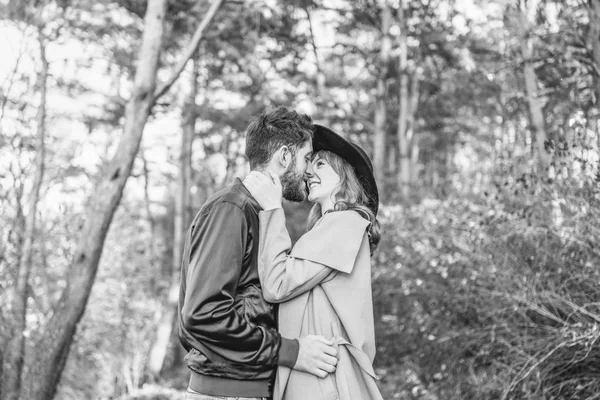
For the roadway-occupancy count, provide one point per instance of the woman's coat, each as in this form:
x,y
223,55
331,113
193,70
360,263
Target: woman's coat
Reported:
x,y
324,287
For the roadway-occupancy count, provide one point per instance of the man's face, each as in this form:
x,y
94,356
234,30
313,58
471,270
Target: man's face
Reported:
x,y
292,180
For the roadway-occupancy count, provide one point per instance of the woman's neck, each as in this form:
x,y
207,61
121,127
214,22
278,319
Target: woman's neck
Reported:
x,y
326,205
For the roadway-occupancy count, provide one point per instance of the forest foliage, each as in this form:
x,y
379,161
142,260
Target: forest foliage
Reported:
x,y
481,118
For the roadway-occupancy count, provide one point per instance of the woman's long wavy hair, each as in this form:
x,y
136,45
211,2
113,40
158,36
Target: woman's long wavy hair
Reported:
x,y
350,195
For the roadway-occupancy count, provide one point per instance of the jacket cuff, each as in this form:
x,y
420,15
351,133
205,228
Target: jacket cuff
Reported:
x,y
288,352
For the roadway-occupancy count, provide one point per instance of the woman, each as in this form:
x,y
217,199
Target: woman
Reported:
x,y
324,282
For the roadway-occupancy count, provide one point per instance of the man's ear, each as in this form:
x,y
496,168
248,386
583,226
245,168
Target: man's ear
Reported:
x,y
284,156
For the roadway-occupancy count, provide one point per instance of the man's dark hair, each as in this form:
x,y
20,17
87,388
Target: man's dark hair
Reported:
x,y
271,130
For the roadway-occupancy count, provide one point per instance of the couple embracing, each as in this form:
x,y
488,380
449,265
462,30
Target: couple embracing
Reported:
x,y
261,319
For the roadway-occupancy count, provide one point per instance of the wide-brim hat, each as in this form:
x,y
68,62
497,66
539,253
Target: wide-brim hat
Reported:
x,y
325,138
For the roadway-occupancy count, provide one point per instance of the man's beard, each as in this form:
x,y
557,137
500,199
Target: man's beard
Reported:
x,y
294,188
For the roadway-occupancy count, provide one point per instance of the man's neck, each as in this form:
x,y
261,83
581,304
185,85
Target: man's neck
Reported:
x,y
262,170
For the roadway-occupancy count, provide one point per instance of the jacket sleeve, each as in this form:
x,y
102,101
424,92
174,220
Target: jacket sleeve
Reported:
x,y
218,247
285,273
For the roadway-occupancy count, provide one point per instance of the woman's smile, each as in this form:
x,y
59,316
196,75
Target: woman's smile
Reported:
x,y
322,183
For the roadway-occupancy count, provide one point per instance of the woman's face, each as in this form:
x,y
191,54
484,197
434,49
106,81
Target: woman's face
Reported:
x,y
322,183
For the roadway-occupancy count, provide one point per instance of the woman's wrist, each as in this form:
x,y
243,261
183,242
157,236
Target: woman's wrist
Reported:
x,y
272,206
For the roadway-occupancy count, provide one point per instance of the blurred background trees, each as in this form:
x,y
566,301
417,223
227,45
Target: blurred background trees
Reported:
x,y
482,121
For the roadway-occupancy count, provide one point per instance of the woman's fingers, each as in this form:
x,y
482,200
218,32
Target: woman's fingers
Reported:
x,y
255,180
275,179
250,184
266,192
259,176
262,181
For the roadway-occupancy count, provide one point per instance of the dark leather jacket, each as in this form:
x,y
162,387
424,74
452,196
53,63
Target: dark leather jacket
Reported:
x,y
228,329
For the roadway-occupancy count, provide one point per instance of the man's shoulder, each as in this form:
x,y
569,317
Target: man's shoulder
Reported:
x,y
233,194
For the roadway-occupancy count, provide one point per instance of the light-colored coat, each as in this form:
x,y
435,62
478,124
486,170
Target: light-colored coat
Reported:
x,y
324,287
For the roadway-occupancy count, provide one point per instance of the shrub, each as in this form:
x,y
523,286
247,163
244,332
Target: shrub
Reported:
x,y
491,297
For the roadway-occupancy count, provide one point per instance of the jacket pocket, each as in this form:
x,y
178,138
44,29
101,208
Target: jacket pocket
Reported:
x,y
196,360
255,309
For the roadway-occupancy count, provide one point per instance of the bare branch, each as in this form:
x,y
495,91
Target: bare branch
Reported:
x,y
191,49
11,81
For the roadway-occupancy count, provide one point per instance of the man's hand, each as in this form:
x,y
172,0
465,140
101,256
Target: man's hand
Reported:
x,y
317,356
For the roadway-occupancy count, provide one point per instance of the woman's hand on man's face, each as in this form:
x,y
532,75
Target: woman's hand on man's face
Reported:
x,y
265,189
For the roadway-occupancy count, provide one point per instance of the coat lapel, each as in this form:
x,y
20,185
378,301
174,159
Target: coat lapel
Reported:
x,y
334,240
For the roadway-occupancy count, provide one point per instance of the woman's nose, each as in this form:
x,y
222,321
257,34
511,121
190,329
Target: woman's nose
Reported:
x,y
309,170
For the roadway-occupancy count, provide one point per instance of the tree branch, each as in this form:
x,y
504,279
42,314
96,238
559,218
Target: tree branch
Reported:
x,y
11,80
193,46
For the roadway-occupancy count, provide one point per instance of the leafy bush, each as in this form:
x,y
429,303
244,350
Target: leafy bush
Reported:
x,y
493,296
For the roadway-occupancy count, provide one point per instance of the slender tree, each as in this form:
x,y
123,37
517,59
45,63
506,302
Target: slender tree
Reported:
x,y
413,105
13,359
527,12
593,41
404,145
46,366
380,119
321,79
168,316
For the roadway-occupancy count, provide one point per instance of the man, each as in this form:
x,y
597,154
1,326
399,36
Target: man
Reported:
x,y
228,329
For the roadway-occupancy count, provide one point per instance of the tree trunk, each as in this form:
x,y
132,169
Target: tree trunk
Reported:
x,y
410,127
595,127
392,159
49,355
404,108
189,132
320,74
593,40
166,324
166,317
527,10
379,139
14,353
155,257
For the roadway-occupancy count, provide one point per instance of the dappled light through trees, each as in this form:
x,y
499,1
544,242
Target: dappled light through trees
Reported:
x,y
118,119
